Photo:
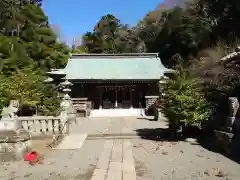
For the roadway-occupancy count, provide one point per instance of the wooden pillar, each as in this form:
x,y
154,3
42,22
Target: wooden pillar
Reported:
x,y
116,99
131,99
100,103
82,90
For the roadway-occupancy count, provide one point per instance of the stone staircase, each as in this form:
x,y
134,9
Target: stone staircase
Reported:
x,y
117,113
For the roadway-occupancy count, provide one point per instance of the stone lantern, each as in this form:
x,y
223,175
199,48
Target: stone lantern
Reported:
x,y
68,112
66,87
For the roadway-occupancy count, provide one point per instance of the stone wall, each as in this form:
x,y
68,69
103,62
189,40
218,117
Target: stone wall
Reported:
x,y
228,136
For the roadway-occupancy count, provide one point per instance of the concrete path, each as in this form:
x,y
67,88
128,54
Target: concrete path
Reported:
x,y
116,162
118,125
72,141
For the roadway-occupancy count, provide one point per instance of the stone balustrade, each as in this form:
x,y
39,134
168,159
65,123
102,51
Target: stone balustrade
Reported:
x,y
40,125
16,132
150,100
82,105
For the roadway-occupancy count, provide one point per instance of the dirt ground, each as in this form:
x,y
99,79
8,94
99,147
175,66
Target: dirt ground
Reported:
x,y
56,164
41,146
181,161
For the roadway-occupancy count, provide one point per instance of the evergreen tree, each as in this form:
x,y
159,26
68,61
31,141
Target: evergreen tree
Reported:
x,y
28,49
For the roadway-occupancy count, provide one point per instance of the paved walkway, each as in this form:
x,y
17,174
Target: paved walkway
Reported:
x,y
116,162
100,127
118,125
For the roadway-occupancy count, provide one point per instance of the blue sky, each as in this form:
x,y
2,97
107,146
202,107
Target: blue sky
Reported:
x,y
75,17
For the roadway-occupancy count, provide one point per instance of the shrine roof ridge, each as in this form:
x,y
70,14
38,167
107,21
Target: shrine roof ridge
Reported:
x,y
125,66
125,55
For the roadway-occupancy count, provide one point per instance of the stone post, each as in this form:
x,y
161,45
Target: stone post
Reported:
x,y
233,106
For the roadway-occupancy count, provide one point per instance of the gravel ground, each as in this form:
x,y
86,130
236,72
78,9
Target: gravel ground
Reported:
x,y
181,161
57,165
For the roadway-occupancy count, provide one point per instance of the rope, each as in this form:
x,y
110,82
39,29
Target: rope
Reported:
x,y
55,140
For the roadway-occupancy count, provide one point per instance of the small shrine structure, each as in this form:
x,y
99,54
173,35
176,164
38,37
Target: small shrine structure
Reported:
x,y
109,84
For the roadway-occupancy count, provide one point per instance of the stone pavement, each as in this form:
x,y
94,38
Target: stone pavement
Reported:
x,y
116,125
105,127
116,162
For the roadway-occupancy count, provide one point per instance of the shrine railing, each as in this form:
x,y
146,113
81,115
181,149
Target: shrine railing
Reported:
x,y
82,104
41,125
150,100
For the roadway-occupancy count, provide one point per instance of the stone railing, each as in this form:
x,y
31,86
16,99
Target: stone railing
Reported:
x,y
40,125
82,105
150,100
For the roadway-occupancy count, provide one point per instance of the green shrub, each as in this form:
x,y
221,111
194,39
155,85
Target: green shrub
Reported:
x,y
182,102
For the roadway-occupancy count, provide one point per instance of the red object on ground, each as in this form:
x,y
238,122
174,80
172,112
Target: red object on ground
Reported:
x,y
31,157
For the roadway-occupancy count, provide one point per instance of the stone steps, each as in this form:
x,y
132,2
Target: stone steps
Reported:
x,y
72,141
113,137
131,135
117,113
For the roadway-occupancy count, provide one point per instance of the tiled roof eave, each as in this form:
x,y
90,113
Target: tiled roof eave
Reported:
x,y
115,80
169,71
115,55
59,72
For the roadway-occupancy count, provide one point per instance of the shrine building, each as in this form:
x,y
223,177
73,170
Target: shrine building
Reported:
x,y
111,84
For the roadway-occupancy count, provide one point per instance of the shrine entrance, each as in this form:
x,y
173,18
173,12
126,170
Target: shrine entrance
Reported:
x,y
116,97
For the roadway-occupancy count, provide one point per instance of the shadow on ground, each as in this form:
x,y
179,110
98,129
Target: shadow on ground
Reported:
x,y
206,140
151,118
157,134
231,151
146,118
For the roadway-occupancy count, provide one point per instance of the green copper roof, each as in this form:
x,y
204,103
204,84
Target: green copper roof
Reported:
x,y
114,67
